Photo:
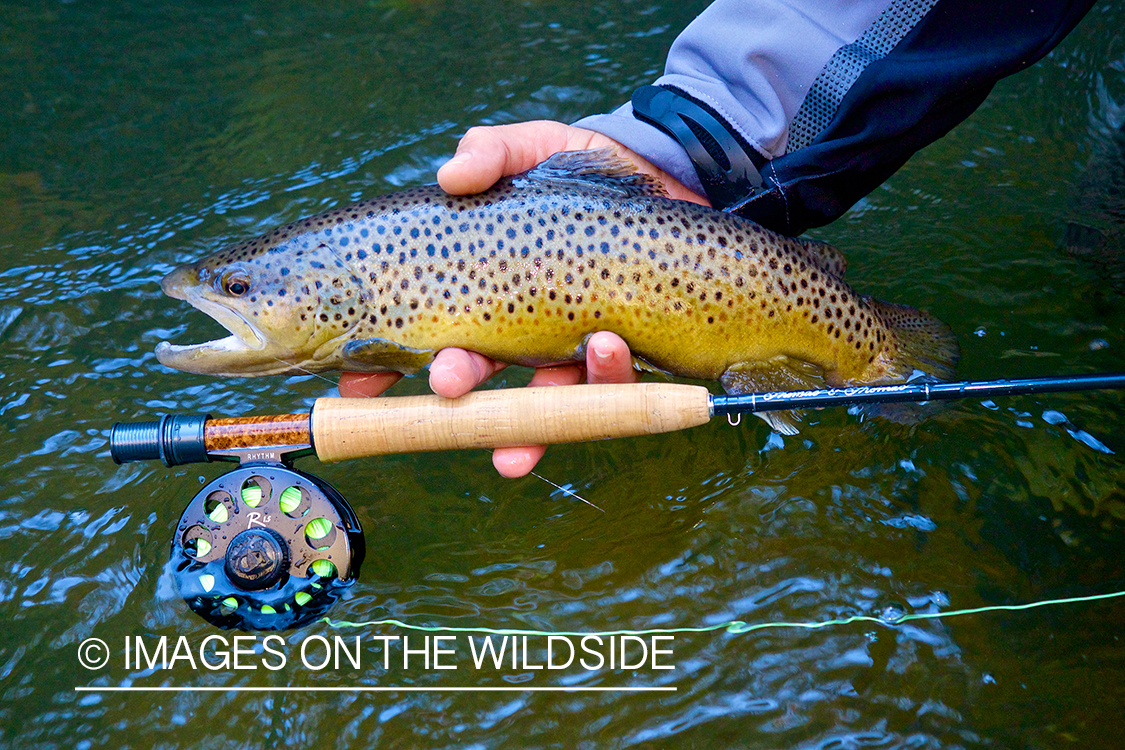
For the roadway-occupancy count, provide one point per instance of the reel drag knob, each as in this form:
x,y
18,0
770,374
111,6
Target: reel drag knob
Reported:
x,y
256,559
265,547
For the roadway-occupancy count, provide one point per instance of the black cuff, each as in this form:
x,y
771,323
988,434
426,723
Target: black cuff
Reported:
x,y
728,168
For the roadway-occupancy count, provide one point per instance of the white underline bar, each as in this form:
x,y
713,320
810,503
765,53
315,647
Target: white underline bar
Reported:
x,y
493,689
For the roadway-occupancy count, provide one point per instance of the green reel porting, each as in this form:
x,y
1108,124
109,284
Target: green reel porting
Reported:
x,y
265,547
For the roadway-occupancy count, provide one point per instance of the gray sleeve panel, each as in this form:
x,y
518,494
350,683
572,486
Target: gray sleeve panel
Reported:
x,y
752,62
649,142
841,72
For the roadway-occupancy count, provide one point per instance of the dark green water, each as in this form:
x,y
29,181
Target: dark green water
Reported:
x,y
137,136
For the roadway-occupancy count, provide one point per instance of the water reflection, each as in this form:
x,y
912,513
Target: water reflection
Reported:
x,y
150,136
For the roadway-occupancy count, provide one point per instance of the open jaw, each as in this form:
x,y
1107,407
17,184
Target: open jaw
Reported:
x,y
241,353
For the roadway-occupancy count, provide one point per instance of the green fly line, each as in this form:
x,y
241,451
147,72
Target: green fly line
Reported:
x,y
736,627
290,499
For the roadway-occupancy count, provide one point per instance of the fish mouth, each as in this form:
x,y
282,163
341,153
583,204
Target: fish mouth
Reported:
x,y
232,355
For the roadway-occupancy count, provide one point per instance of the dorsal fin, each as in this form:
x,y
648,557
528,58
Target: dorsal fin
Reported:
x,y
597,168
826,256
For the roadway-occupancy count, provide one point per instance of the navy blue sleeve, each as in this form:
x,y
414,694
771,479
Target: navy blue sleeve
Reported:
x,y
932,80
919,68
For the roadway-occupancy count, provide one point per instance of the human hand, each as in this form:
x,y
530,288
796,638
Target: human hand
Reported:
x,y
483,156
455,372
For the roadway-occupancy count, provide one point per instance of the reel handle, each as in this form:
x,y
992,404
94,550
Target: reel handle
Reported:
x,y
345,428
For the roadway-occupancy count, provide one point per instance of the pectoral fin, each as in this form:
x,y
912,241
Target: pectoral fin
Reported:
x,y
777,374
381,354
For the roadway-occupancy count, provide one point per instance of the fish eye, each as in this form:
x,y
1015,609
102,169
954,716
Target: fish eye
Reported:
x,y
235,283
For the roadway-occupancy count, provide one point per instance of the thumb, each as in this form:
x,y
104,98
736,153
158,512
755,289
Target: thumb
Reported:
x,y
485,154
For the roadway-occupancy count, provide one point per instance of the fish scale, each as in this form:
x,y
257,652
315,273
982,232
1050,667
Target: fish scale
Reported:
x,y
526,271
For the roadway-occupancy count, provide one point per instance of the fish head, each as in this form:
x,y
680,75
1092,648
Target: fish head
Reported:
x,y
288,307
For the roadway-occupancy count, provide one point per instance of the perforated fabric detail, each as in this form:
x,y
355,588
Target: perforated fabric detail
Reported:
x,y
849,62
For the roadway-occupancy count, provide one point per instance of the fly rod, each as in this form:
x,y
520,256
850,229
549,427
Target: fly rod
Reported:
x,y
268,547
343,428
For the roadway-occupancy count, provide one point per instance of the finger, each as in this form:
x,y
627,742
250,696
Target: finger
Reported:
x,y
366,384
608,360
558,375
518,461
485,154
455,372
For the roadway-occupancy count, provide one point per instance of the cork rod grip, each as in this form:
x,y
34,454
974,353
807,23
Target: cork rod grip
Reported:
x,y
350,428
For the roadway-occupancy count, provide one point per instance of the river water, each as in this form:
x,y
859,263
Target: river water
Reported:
x,y
137,136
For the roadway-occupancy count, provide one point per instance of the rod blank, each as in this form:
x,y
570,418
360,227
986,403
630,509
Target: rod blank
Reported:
x,y
912,392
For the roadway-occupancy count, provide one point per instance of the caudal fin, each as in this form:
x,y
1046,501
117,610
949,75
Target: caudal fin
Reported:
x,y
925,344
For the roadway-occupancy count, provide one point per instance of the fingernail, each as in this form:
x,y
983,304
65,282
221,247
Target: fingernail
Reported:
x,y
459,158
603,356
512,462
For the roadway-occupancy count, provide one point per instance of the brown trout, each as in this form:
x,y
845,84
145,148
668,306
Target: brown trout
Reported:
x,y
527,270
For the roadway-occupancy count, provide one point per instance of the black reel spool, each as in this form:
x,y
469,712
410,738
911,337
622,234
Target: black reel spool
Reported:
x,y
265,547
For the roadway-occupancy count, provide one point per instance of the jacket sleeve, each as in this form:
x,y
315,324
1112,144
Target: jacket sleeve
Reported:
x,y
828,99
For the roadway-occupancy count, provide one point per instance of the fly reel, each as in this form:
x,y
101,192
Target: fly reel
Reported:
x,y
263,547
